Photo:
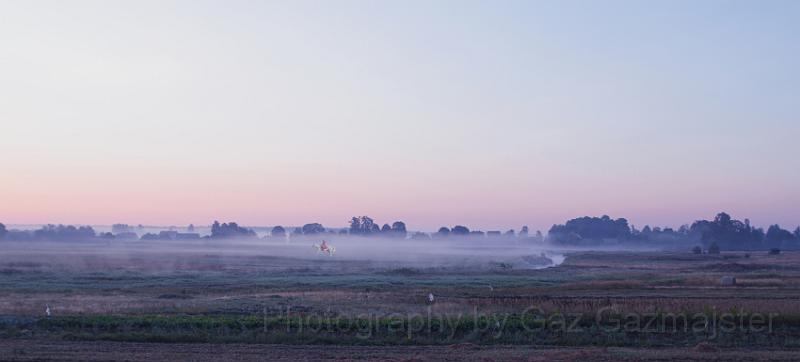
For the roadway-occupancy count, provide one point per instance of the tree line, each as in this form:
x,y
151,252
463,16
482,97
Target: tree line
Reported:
x,y
722,232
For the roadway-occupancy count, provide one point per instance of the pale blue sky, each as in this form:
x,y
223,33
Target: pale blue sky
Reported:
x,y
488,113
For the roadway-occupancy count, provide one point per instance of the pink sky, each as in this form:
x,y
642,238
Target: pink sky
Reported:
x,y
495,117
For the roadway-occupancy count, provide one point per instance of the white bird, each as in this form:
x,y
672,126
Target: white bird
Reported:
x,y
47,310
430,297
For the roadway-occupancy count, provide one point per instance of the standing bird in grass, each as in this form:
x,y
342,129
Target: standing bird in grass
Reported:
x,y
47,310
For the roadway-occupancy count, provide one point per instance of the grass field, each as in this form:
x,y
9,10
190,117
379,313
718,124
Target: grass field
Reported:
x,y
605,305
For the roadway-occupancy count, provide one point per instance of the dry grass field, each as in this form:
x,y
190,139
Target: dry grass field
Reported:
x,y
108,302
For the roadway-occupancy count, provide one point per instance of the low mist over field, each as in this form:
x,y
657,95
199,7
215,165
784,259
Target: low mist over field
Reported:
x,y
373,247
378,252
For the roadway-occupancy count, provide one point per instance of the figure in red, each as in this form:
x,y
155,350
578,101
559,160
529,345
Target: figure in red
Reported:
x,y
324,247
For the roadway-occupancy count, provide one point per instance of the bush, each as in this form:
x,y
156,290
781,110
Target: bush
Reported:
x,y
713,248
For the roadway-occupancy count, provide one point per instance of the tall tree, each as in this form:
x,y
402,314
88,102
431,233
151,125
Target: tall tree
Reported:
x,y
592,229
779,238
230,230
460,230
727,232
313,228
399,229
363,225
278,232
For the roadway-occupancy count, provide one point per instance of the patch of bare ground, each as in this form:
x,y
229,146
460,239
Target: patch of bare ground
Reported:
x,y
46,350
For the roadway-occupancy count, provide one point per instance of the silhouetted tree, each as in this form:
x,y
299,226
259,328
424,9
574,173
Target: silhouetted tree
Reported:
x,y
399,229
230,230
594,229
120,228
355,225
190,228
64,232
313,228
727,232
363,225
3,231
523,233
797,233
278,232
713,248
386,229
420,236
779,238
460,230
443,232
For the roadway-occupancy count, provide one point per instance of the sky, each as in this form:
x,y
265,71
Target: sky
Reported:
x,y
490,114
